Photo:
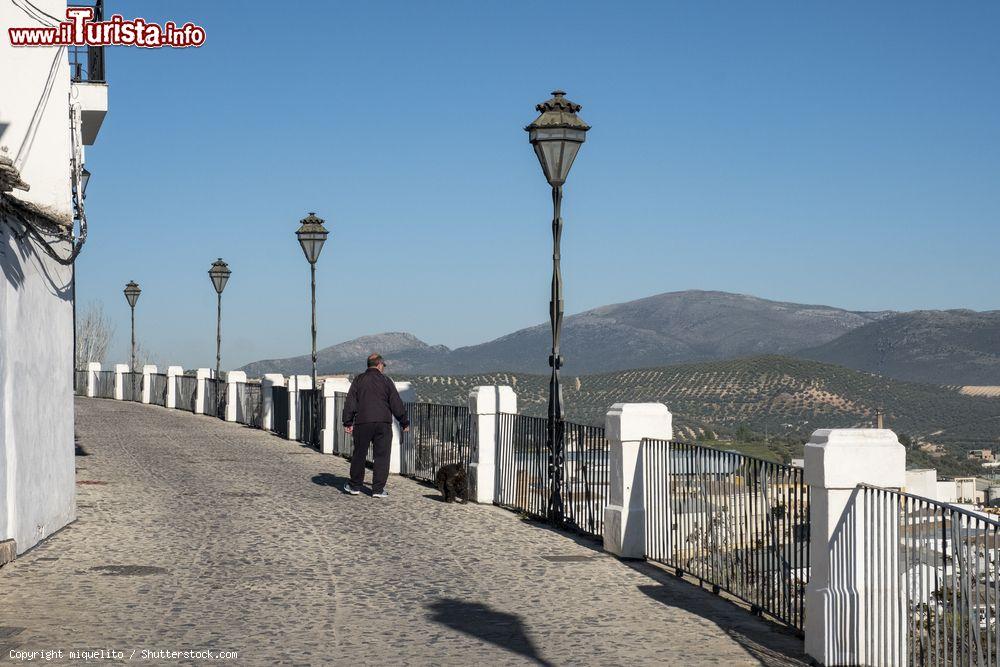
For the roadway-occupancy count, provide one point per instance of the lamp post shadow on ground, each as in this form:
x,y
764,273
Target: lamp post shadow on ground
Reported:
x,y
556,136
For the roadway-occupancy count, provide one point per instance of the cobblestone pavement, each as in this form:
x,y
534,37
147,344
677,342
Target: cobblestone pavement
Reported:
x,y
244,542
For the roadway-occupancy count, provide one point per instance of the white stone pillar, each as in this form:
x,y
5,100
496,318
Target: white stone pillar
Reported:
x,y
626,425
409,395
846,569
296,383
232,379
201,374
485,403
120,370
172,373
93,368
147,370
332,387
267,382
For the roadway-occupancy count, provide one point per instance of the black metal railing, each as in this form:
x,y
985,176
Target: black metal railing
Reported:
x,y
86,63
522,464
80,383
438,435
185,390
343,442
585,478
132,387
309,412
522,475
733,521
104,386
249,404
930,577
158,389
214,404
279,411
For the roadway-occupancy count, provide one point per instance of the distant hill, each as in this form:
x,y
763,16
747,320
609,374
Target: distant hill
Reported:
x,y
665,329
780,396
404,353
954,347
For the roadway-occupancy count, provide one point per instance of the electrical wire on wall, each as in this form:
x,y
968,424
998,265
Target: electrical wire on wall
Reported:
x,y
45,230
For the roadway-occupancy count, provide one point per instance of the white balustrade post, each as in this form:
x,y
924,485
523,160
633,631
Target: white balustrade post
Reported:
x,y
485,403
332,387
120,370
93,368
296,383
201,374
625,427
847,566
147,371
172,373
409,395
269,381
233,378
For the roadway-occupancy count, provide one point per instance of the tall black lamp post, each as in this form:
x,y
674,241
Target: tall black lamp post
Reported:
x,y
132,292
556,136
312,235
219,273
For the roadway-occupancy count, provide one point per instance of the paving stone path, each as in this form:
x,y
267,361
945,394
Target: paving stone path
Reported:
x,y
195,535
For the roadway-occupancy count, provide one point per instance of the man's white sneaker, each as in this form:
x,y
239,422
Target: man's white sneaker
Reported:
x,y
381,494
350,489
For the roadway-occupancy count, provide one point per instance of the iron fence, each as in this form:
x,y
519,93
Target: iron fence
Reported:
x,y
733,521
86,63
523,476
343,442
104,387
279,411
522,464
132,387
438,435
249,404
585,478
930,576
157,389
80,383
309,412
185,389
214,404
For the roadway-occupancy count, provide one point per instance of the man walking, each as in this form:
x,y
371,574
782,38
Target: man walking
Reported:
x,y
372,402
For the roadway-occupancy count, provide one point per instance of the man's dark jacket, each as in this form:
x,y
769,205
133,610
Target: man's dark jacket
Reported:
x,y
373,399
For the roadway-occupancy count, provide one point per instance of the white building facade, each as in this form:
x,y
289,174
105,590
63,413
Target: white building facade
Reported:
x,y
48,112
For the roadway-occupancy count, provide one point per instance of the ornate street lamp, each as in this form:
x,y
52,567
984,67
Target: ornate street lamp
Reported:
x,y
312,235
556,136
132,292
219,273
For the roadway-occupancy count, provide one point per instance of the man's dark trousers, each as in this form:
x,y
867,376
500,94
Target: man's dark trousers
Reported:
x,y
378,434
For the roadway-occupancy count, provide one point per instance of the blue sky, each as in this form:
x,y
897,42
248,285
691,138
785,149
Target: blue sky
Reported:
x,y
837,153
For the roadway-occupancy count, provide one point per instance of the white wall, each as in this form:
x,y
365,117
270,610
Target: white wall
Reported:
x,y
36,332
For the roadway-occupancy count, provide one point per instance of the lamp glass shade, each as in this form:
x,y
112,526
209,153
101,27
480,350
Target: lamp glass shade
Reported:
x,y
84,179
312,235
132,293
556,136
219,273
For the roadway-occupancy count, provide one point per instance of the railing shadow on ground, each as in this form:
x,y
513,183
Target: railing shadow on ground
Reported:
x,y
489,625
764,640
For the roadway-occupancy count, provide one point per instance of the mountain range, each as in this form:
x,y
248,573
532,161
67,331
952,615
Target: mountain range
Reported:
x,y
952,347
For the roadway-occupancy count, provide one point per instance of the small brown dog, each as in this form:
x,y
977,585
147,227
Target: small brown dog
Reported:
x,y
452,482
